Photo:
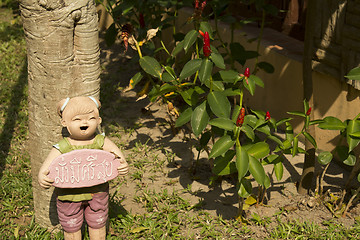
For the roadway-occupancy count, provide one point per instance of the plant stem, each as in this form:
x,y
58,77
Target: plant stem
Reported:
x,y
350,201
259,40
322,177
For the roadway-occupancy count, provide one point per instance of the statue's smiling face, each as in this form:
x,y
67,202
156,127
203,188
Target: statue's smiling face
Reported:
x,y
82,126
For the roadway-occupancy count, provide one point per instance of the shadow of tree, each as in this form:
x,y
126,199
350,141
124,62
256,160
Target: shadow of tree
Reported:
x,y
16,96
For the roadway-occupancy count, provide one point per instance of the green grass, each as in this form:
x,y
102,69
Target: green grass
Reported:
x,y
167,213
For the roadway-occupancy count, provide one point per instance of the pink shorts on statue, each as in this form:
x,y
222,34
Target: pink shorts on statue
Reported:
x,y
71,214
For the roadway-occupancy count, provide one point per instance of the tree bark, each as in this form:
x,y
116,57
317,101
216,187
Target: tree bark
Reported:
x,y
63,61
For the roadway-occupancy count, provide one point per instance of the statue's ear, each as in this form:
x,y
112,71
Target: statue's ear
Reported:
x,y
63,123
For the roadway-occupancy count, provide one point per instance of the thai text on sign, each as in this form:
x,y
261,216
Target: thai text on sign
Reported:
x,y
83,168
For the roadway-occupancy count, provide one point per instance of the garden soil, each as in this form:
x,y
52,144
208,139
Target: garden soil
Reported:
x,y
151,124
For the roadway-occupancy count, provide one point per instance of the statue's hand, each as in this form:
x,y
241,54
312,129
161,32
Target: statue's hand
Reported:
x,y
123,169
43,180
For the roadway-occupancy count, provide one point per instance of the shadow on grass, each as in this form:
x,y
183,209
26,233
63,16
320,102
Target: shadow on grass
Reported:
x,y
13,108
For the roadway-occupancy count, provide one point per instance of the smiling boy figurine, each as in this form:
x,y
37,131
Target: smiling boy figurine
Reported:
x,y
80,116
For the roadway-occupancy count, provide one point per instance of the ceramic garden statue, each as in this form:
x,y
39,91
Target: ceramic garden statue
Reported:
x,y
80,166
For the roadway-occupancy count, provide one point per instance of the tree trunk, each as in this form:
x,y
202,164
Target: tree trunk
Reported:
x,y
309,161
63,61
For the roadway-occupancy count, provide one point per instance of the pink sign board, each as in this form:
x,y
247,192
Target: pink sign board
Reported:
x,y
83,168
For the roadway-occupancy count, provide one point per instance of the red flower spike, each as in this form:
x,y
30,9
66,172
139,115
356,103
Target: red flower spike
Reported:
x,y
267,116
247,72
308,112
141,20
201,33
196,4
203,4
206,47
240,119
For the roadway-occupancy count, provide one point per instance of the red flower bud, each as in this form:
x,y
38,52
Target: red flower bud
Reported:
x,y
240,119
247,72
267,116
141,20
308,111
126,31
196,4
203,4
206,47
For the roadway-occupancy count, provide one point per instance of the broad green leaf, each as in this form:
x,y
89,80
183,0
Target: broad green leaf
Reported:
x,y
256,80
229,76
223,123
355,134
205,138
218,60
216,85
267,67
264,129
242,161
282,121
166,77
248,131
205,70
179,46
260,122
249,84
190,68
279,170
199,119
259,114
223,164
257,170
266,182
325,157
184,117
110,35
289,132
259,150
332,123
187,95
354,74
190,39
352,127
171,71
350,160
135,80
250,120
271,159
306,105
297,113
219,104
221,146
318,121
358,178
345,156
275,139
310,139
206,27
235,113
295,146
245,188
151,66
